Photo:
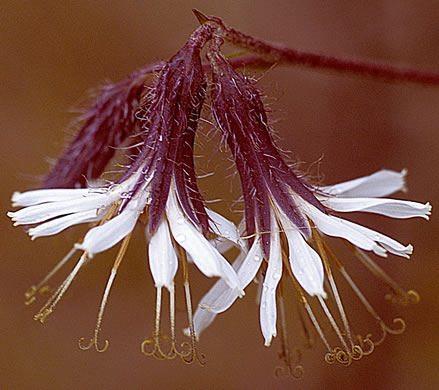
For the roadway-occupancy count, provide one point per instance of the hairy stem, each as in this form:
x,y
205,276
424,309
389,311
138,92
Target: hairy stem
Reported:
x,y
274,53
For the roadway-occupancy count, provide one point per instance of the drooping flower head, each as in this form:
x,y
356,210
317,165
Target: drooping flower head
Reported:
x,y
286,216
103,128
160,185
286,219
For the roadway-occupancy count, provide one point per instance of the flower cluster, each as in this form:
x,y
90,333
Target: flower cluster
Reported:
x,y
156,111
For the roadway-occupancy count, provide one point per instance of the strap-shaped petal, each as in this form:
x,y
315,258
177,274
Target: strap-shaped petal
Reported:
x,y
59,224
337,227
394,208
103,237
220,297
378,184
202,319
52,203
162,258
31,198
45,211
388,243
358,235
207,259
224,228
305,262
268,310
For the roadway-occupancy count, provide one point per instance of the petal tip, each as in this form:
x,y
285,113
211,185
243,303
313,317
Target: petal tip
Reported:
x,y
15,196
428,207
404,178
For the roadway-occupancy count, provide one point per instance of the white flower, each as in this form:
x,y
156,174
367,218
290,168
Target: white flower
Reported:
x,y
115,210
57,209
305,256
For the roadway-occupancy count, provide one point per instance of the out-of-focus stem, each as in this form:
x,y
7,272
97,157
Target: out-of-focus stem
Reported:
x,y
273,53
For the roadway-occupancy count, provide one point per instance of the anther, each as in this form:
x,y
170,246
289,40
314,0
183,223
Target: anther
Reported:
x,y
364,342
398,295
355,351
41,287
285,353
384,328
191,354
55,298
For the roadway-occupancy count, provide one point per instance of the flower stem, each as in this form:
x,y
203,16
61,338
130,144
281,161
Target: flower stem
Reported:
x,y
274,53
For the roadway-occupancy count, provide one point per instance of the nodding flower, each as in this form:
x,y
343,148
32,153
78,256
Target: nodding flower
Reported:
x,y
159,187
104,126
153,116
286,221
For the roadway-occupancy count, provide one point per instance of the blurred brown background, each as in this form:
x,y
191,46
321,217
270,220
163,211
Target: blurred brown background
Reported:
x,y
52,52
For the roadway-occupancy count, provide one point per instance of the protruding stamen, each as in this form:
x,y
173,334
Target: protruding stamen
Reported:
x,y
399,294
156,350
324,257
54,299
41,286
173,352
342,355
296,371
285,353
191,354
385,329
304,302
356,351
366,342
117,262
306,331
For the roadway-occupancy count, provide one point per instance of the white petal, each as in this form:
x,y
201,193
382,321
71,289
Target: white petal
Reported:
x,y
224,228
358,235
60,202
202,319
59,224
394,208
45,211
305,262
162,258
30,198
103,237
381,183
251,264
207,259
268,310
220,297
337,227
386,242
221,244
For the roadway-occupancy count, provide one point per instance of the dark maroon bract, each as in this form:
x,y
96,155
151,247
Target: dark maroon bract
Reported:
x,y
241,116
